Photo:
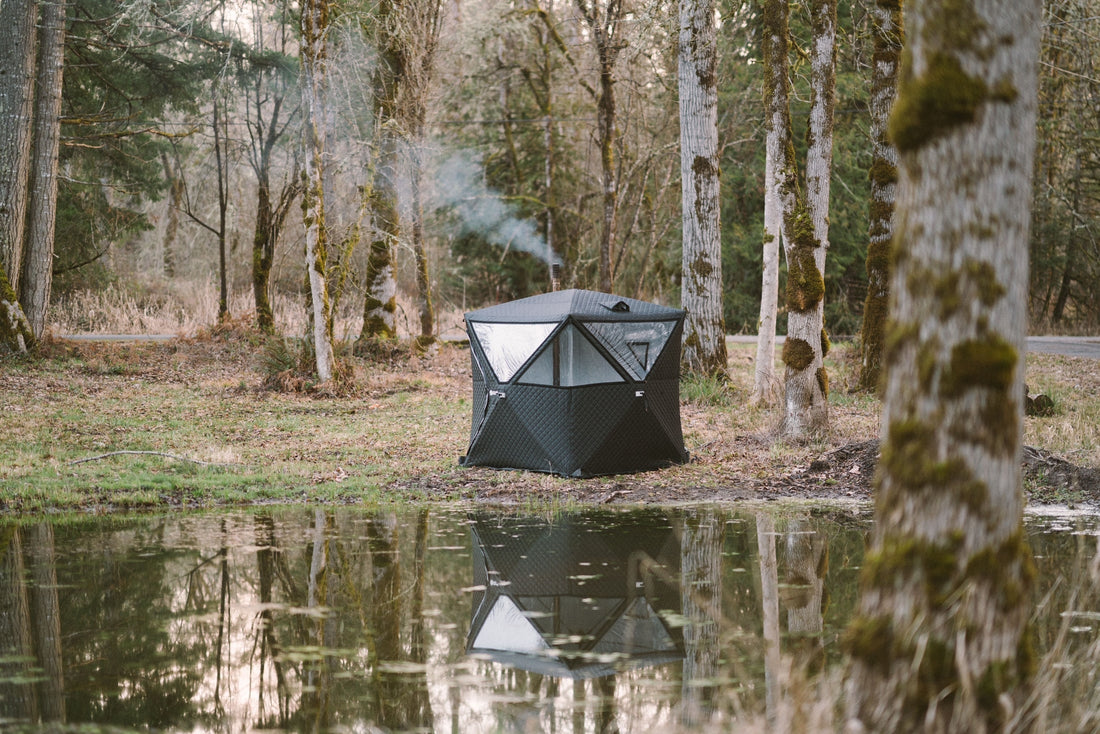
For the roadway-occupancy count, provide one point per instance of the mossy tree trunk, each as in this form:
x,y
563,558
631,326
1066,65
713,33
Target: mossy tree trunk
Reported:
x,y
806,240
37,276
380,302
886,20
701,278
17,59
939,641
314,27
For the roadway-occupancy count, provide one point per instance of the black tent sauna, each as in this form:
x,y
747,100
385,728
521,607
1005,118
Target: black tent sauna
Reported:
x,y
576,383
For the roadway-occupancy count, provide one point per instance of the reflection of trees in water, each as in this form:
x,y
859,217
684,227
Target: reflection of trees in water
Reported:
x,y
164,620
17,701
701,597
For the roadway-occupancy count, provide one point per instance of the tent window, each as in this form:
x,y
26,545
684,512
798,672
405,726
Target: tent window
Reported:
x,y
636,344
580,363
508,346
541,371
578,360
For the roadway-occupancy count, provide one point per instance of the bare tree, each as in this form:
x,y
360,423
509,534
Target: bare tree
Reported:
x,y
939,642
268,123
701,281
419,33
605,23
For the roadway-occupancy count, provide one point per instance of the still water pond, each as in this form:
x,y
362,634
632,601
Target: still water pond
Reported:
x,y
445,619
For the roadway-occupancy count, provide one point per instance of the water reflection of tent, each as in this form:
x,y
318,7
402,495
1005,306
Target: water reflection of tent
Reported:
x,y
575,383
582,597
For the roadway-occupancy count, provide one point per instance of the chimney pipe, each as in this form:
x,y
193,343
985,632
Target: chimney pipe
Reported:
x,y
555,276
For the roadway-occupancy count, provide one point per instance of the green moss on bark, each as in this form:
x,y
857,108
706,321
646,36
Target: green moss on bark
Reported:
x,y
805,284
934,104
980,363
798,354
15,331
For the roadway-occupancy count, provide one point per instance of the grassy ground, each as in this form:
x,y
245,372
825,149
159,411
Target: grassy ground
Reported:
x,y
191,423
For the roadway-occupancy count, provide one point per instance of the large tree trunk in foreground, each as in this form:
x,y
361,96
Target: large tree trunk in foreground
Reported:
x,y
939,642
886,17
37,278
704,328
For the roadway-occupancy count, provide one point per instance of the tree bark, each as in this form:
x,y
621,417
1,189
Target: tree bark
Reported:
x,y
17,64
37,278
886,20
314,26
939,641
806,240
704,349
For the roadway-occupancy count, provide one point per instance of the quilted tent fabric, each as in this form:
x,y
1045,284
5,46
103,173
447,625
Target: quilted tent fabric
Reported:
x,y
599,394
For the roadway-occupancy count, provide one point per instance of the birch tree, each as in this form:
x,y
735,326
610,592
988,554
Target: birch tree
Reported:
x,y
886,24
777,126
704,328
939,641
313,28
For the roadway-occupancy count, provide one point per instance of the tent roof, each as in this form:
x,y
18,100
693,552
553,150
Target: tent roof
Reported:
x,y
580,304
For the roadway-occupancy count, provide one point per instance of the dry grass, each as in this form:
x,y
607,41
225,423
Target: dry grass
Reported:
x,y
186,308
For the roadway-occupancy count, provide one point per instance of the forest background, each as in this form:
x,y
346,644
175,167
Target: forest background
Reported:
x,y
181,138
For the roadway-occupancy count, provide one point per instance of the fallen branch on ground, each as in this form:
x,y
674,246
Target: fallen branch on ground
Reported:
x,y
145,453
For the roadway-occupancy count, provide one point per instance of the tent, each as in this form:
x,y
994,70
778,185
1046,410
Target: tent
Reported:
x,y
576,383
581,597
